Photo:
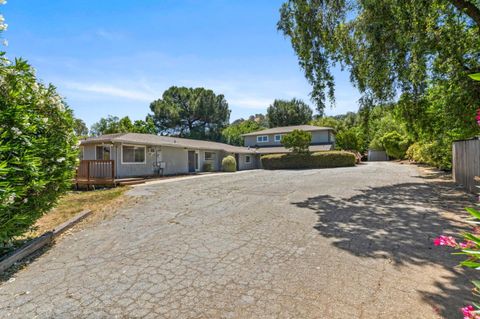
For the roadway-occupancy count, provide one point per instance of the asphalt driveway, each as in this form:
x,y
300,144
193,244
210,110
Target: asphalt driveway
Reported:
x,y
333,243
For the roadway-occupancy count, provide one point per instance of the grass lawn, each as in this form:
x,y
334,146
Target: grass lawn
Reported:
x,y
99,201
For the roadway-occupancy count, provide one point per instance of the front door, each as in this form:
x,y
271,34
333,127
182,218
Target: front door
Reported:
x,y
191,161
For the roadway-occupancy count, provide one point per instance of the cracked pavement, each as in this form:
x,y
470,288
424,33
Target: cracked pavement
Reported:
x,y
333,243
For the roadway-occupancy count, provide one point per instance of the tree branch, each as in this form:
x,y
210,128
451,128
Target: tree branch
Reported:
x,y
468,8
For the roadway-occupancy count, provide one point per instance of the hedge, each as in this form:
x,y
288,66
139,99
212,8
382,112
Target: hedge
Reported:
x,y
326,159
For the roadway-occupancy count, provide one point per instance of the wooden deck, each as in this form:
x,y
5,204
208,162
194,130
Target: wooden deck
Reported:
x,y
91,173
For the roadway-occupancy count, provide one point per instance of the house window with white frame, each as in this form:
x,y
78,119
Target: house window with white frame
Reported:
x,y
262,138
278,137
133,154
102,152
209,156
248,159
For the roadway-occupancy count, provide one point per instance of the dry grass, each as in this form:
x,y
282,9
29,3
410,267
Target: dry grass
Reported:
x,y
100,202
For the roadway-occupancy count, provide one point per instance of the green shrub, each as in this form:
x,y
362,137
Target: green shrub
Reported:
x,y
207,167
437,154
349,140
395,144
229,164
325,159
298,141
38,149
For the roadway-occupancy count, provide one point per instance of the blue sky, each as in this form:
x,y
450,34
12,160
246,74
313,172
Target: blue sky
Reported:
x,y
115,57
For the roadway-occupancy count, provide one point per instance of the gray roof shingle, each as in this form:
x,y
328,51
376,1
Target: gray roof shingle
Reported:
x,y
150,139
288,129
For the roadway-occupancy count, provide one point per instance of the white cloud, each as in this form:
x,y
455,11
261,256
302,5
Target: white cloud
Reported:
x,y
110,90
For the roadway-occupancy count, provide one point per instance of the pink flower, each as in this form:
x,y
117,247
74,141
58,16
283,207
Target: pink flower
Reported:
x,y
468,312
467,244
445,241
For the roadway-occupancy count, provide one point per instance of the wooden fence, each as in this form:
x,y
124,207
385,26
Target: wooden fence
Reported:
x,y
95,172
466,163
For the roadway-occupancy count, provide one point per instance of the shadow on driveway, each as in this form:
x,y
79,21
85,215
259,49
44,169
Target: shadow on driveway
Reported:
x,y
399,222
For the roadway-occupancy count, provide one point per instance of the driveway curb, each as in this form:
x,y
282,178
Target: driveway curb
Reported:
x,y
38,243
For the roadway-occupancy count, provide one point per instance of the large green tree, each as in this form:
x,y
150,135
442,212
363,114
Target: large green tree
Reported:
x,y
286,113
80,127
191,112
388,46
113,124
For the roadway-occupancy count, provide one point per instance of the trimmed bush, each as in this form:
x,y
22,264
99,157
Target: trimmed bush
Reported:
x,y
325,159
229,164
207,167
38,149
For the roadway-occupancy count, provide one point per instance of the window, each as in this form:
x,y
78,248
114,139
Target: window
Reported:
x,y
209,156
133,154
247,159
278,137
102,152
80,154
262,138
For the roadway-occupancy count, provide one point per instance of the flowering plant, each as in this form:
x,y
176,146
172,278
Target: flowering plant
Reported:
x,y
470,247
38,148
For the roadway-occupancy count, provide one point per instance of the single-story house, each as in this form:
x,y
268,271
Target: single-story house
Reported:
x,y
268,141
125,155
136,154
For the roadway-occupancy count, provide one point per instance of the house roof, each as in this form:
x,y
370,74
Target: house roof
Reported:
x,y
288,129
150,139
281,149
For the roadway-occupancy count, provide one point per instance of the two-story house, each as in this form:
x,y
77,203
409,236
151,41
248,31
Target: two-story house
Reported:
x,y
268,141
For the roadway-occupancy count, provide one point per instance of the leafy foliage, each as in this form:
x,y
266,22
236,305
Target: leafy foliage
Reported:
x,y
232,134
113,124
191,112
349,139
229,164
326,159
80,127
470,248
38,148
387,46
395,144
287,113
297,140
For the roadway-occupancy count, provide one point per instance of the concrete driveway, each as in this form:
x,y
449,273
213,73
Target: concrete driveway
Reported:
x,y
333,243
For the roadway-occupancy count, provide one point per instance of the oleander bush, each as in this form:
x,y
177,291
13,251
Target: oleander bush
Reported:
x,y
229,164
207,167
38,149
326,159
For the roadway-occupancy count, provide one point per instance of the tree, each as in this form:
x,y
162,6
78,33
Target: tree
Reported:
x,y
80,127
114,124
349,139
286,113
395,144
232,133
38,149
388,46
191,112
298,141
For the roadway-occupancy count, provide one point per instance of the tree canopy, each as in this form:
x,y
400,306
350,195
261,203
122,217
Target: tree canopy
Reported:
x,y
286,113
232,133
114,124
80,127
388,46
191,112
